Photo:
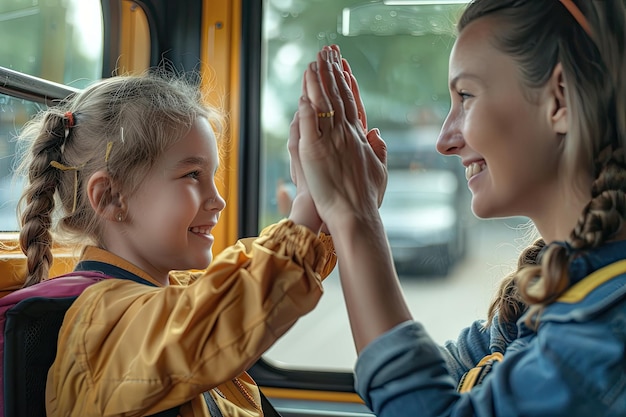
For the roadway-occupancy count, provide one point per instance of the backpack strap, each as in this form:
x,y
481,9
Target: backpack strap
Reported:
x,y
214,410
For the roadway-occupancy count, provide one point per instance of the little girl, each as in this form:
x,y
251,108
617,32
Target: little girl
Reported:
x,y
127,169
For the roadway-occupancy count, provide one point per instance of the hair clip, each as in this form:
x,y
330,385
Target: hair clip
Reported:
x,y
577,14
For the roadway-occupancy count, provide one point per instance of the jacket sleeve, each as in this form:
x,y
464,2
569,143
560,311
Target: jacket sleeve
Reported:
x,y
127,347
566,370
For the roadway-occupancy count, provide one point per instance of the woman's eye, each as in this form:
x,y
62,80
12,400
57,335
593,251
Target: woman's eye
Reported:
x,y
464,95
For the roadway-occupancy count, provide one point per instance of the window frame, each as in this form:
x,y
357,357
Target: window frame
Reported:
x,y
263,372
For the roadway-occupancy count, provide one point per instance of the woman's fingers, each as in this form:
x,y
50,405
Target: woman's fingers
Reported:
x,y
347,97
318,99
359,102
328,80
344,84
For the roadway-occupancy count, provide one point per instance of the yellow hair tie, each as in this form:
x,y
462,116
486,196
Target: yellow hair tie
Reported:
x,y
62,167
108,151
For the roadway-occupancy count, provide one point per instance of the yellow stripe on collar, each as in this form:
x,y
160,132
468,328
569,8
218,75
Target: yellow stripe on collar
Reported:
x,y
582,288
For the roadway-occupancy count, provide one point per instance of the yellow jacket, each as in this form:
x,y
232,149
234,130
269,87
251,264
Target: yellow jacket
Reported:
x,y
128,349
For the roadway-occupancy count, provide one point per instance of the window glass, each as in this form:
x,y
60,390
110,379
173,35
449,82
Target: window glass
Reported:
x,y
60,41
449,262
13,113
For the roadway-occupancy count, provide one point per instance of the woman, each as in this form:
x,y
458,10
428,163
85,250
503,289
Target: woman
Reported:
x,y
538,118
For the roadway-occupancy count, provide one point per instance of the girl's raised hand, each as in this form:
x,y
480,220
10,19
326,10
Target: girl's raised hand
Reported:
x,y
303,209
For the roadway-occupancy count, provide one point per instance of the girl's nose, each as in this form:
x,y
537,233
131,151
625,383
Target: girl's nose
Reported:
x,y
215,203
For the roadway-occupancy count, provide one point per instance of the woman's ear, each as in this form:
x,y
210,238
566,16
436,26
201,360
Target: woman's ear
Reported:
x,y
106,201
558,108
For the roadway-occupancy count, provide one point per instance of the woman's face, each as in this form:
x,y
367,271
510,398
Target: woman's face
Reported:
x,y
502,131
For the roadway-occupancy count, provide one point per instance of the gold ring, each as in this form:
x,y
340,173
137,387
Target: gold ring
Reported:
x,y
326,114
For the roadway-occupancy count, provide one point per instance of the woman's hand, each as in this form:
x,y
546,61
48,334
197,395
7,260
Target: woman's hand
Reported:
x,y
346,174
304,210
373,135
343,171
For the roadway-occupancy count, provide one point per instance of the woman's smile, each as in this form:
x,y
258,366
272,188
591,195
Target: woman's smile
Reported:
x,y
474,168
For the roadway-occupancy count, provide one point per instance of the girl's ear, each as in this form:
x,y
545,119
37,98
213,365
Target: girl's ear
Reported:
x,y
103,197
558,107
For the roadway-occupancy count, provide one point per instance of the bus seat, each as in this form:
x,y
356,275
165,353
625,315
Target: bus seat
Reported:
x,y
30,320
30,346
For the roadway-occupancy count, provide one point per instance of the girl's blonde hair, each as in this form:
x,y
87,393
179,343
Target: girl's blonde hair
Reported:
x,y
120,124
539,35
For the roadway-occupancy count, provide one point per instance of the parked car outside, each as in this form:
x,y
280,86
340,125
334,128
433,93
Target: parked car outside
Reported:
x,y
424,220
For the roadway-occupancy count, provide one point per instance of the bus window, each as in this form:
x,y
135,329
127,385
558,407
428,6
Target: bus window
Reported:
x,y
59,42
399,52
13,112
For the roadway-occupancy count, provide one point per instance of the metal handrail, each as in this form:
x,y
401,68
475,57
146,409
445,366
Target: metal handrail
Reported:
x,y
20,85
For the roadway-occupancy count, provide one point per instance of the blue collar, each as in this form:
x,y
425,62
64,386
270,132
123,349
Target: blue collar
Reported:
x,y
590,260
111,271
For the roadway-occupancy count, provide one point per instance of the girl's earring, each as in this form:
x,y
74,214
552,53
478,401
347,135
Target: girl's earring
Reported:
x,y
120,216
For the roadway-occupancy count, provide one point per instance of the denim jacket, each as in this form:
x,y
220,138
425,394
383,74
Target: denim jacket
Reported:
x,y
573,365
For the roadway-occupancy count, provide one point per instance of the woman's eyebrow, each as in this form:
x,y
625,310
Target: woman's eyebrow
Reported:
x,y
464,74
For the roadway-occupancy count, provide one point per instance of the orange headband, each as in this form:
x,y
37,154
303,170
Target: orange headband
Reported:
x,y
577,14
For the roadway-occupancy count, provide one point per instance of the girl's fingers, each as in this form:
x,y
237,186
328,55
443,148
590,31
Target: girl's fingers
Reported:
x,y
292,146
307,118
378,145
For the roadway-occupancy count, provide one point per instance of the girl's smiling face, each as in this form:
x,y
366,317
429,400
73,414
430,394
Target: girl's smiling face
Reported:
x,y
170,217
502,130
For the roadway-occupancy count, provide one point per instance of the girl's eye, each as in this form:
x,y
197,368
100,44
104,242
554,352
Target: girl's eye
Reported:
x,y
193,174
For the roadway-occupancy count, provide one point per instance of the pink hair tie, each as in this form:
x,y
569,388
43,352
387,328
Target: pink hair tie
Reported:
x,y
69,123
70,118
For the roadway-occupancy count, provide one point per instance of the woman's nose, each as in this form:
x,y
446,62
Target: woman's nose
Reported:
x,y
450,139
